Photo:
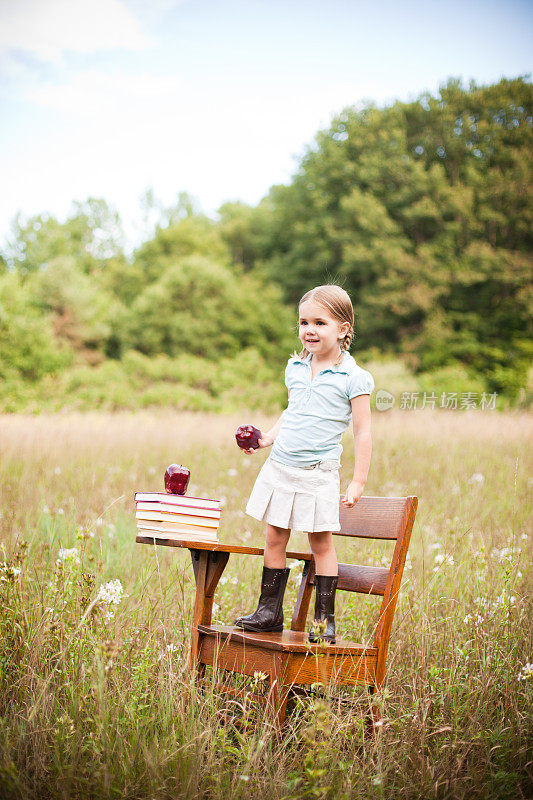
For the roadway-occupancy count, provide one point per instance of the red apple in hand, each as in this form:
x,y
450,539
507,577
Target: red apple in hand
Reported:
x,y
176,479
248,437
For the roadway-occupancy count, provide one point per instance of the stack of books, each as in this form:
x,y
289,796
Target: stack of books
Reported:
x,y
179,517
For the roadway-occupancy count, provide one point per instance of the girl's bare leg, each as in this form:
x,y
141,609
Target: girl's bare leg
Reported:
x,y
324,552
276,547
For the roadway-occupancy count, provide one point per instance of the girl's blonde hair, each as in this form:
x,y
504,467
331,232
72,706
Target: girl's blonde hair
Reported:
x,y
337,302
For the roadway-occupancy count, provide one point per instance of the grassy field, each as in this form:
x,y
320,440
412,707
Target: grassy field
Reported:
x,y
95,696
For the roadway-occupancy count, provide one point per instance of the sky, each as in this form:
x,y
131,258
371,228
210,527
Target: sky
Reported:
x,y
217,98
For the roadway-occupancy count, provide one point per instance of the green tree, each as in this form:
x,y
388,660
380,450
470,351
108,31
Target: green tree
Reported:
x,y
422,212
186,236
204,308
28,347
83,315
90,235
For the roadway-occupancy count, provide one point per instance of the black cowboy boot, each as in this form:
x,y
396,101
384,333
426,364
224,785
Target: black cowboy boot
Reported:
x,y
268,615
325,587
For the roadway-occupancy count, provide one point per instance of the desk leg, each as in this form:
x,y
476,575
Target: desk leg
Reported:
x,y
208,566
279,691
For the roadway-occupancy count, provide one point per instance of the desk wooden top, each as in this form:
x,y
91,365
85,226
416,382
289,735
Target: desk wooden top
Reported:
x,y
216,547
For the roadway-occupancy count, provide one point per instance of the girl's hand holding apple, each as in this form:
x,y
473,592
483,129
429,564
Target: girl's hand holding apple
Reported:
x,y
265,441
248,437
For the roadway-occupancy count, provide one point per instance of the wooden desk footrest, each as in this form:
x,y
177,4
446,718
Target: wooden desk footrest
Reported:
x,y
235,721
235,691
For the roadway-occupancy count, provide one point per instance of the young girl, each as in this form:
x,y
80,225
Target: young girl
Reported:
x,y
298,486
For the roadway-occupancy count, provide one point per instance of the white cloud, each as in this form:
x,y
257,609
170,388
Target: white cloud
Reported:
x,y
96,92
46,30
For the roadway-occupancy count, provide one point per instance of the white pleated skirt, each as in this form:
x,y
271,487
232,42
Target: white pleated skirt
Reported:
x,y
293,497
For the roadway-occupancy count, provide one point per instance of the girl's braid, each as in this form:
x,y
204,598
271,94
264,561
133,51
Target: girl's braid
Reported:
x,y
347,341
345,345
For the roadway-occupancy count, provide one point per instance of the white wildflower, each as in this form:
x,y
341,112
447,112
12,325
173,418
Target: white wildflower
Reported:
x,y
57,471
523,536
111,593
477,477
434,546
68,555
7,572
476,618
506,553
60,511
171,647
443,560
99,522
232,473
46,510
526,673
151,470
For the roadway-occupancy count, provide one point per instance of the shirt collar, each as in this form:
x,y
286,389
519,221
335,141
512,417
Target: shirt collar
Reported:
x,y
341,368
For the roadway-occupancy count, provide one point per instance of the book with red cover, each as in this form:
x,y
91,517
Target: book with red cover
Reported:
x,y
177,500
177,519
152,533
174,508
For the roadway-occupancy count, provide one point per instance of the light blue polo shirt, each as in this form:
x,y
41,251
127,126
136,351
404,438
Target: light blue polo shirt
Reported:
x,y
319,410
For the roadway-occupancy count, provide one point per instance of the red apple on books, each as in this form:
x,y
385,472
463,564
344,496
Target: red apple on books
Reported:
x,y
248,437
176,479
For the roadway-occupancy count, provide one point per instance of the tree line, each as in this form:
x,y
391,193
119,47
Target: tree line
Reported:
x,y
421,210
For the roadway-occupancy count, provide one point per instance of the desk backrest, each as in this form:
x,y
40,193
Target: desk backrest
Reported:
x,y
383,518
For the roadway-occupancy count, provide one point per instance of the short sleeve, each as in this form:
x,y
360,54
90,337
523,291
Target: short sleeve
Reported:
x,y
360,382
288,374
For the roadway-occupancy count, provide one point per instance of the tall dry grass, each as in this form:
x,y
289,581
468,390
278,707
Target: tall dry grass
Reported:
x,y
95,698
